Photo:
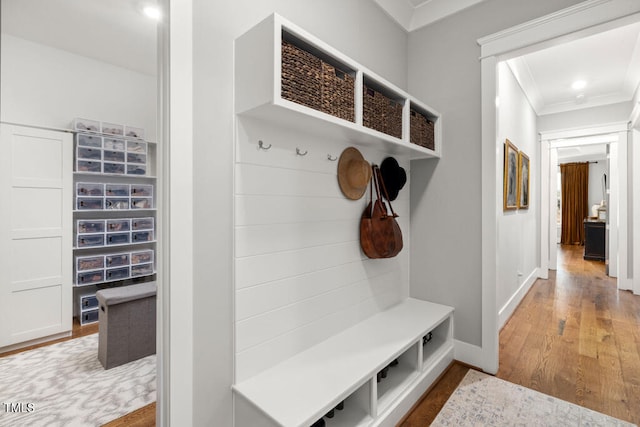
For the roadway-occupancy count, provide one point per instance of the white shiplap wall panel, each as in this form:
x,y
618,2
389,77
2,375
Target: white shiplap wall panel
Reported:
x,y
261,239
300,275
254,270
269,296
256,210
262,356
269,180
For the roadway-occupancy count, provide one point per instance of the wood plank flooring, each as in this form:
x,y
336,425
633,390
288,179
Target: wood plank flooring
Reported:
x,y
574,336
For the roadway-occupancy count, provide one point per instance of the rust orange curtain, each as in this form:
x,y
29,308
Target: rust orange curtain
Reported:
x,y
575,201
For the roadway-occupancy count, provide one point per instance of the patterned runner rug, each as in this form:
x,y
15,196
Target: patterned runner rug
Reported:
x,y
483,400
65,385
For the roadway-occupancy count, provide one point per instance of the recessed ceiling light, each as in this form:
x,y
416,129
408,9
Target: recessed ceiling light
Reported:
x,y
152,12
579,84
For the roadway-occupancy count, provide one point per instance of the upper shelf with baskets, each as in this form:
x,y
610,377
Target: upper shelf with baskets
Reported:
x,y
285,74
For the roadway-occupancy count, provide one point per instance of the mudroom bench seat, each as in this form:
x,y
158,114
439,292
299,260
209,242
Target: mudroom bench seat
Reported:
x,y
368,375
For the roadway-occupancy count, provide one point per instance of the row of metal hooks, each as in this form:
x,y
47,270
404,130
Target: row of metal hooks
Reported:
x,y
299,152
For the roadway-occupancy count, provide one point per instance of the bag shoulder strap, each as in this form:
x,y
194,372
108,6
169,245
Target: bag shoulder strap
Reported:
x,y
380,181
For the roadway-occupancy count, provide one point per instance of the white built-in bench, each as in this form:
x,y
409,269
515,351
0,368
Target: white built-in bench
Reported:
x,y
300,390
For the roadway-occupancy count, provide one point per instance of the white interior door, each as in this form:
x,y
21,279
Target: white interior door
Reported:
x,y
35,233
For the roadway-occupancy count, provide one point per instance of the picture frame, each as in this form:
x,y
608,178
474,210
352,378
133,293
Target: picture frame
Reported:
x,y
523,180
510,178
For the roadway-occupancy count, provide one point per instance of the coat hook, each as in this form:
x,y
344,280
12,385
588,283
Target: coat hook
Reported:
x,y
332,158
262,146
300,153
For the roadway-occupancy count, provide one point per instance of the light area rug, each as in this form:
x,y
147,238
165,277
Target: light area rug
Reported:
x,y
483,400
65,385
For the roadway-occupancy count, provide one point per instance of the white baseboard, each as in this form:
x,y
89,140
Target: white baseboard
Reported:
x,y
507,310
468,353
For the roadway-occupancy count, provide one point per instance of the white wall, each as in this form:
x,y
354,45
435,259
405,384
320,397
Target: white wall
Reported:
x,y
50,87
517,229
444,71
596,170
586,117
360,30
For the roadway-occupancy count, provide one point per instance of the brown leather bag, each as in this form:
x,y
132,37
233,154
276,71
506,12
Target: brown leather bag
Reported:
x,y
380,234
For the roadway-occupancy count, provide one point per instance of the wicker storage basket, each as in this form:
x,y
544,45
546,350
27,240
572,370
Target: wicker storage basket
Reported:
x,y
421,130
309,81
301,81
381,113
338,97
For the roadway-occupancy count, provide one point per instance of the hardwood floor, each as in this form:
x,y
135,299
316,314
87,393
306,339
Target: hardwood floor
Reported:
x,y
573,336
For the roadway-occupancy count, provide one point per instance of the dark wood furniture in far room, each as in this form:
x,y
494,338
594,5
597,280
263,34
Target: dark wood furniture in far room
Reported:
x,y
594,239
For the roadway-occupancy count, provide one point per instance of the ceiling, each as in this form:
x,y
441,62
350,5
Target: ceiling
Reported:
x,y
414,14
608,62
113,31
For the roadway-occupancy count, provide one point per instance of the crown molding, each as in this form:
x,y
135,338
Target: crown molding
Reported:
x,y
572,10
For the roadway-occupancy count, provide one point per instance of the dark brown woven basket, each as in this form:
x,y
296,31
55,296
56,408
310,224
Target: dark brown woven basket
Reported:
x,y
309,81
381,113
301,81
421,130
338,98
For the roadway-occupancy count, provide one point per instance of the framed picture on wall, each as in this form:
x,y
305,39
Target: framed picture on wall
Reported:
x,y
523,181
510,199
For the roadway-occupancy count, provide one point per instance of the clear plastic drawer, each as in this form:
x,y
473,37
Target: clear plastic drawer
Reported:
x,y
89,203
88,226
116,203
137,158
141,270
113,156
137,147
89,263
118,225
141,257
112,128
89,277
118,190
88,301
142,223
117,260
88,166
86,125
117,168
141,236
85,140
141,190
117,274
118,238
142,203
89,316
88,153
90,189
133,132
113,144
90,240
136,169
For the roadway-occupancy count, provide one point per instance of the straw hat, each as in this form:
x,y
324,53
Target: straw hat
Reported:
x,y
394,176
354,173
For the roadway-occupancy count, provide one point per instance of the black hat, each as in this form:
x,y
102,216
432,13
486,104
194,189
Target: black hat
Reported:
x,y
393,175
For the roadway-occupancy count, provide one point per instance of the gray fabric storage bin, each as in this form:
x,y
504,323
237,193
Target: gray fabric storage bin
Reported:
x,y
127,328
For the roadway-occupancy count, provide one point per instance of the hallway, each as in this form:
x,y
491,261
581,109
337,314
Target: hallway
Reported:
x,y
573,336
